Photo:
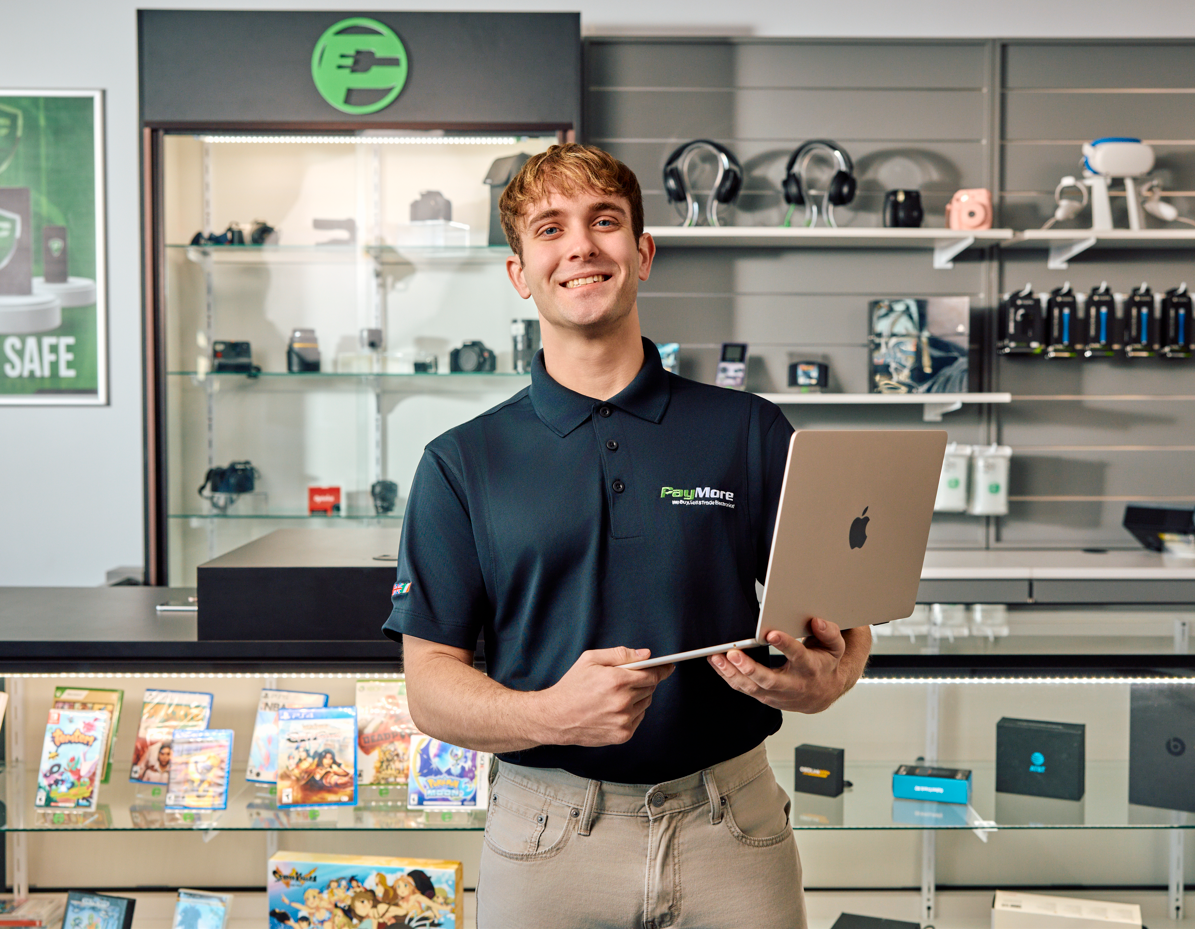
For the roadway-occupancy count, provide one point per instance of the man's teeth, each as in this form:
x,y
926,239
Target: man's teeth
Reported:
x,y
594,279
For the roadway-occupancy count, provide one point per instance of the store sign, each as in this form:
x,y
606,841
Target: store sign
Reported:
x,y
359,66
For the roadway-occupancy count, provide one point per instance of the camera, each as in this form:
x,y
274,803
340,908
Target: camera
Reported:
x,y
472,358
233,358
238,478
525,338
302,354
970,209
385,496
902,209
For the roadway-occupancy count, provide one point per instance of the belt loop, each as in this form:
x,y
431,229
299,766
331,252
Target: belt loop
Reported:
x,y
711,789
493,776
591,793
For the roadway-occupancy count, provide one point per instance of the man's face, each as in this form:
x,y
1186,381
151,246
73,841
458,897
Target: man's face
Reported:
x,y
581,262
164,756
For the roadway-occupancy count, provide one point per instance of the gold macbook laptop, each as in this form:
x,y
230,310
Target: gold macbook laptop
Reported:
x,y
851,531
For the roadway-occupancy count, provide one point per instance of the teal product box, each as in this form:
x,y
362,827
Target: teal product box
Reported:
x,y
922,782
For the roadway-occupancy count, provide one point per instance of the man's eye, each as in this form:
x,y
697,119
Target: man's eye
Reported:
x,y
549,230
606,222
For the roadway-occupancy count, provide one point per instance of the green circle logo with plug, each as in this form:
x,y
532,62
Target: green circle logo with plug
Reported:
x,y
359,58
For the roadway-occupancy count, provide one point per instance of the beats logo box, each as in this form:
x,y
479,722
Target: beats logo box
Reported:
x,y
819,770
1162,746
1040,759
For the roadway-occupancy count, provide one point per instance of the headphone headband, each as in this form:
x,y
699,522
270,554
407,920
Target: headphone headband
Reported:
x,y
839,192
815,145
726,185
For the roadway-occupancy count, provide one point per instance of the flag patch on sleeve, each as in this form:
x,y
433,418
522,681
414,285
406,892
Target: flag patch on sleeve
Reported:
x,y
399,589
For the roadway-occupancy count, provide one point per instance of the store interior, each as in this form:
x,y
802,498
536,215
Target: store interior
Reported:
x,y
359,258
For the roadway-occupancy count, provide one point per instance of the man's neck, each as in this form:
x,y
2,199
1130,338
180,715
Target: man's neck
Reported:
x,y
594,367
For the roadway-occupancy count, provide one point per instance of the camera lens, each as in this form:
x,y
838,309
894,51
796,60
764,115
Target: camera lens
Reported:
x,y
468,358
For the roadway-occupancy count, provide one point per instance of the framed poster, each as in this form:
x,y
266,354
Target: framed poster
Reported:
x,y
53,295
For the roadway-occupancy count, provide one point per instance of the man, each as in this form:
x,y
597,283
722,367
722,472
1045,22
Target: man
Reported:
x,y
622,798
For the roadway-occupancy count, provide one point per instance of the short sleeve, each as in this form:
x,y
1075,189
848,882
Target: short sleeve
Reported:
x,y
439,594
773,452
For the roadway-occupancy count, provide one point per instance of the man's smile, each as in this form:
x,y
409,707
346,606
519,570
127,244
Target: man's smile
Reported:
x,y
586,280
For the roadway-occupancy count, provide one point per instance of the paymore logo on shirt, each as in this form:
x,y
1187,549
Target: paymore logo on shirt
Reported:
x,y
698,496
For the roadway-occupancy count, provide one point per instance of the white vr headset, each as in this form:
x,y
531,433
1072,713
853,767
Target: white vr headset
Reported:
x,y
1117,156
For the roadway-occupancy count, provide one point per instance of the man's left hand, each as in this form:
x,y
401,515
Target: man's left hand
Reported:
x,y
811,679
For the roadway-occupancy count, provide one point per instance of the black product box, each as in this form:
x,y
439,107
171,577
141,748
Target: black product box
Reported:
x,y
1040,759
819,770
854,921
298,584
1162,746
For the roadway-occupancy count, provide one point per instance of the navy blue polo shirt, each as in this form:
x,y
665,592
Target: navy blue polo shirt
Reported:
x,y
558,523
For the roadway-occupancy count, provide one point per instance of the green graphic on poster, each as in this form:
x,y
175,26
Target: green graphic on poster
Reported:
x,y
53,320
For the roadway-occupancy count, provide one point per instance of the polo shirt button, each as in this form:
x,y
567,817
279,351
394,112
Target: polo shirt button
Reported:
x,y
619,487
605,410
612,445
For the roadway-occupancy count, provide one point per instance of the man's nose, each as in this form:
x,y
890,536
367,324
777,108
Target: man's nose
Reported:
x,y
582,244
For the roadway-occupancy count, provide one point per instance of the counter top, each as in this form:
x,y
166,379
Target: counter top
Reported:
x,y
1111,565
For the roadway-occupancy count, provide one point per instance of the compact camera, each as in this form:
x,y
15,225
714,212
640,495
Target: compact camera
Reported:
x,y
970,209
472,358
238,478
233,358
902,209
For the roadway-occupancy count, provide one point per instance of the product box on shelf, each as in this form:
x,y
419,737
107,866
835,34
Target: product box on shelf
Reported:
x,y
1039,758
364,891
1011,910
923,782
818,770
1162,746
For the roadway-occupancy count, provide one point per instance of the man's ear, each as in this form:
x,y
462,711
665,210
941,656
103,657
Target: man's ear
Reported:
x,y
647,253
514,270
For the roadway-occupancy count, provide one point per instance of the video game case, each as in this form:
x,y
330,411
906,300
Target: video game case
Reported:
x,y
384,730
198,909
317,756
263,751
446,776
35,910
199,770
80,698
162,712
98,911
69,773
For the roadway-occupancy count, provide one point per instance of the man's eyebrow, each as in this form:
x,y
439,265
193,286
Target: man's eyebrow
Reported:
x,y
607,206
545,214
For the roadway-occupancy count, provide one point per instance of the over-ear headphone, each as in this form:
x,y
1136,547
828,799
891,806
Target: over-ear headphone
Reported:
x,y
726,185
1068,208
840,192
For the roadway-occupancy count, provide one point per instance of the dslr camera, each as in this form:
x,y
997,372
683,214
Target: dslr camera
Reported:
x,y
472,358
238,478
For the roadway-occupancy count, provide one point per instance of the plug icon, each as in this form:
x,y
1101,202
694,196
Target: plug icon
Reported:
x,y
364,60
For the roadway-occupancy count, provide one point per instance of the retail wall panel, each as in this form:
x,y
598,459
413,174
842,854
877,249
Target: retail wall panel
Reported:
x,y
621,63
683,114
1098,423
1062,523
1038,166
1123,269
1048,115
876,272
1081,65
1103,472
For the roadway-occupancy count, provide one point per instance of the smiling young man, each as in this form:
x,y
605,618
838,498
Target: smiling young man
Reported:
x,y
622,798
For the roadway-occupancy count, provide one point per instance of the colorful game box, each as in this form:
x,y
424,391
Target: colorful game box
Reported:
x,y
263,752
163,712
199,770
448,776
198,909
363,892
69,773
384,730
317,756
97,911
80,698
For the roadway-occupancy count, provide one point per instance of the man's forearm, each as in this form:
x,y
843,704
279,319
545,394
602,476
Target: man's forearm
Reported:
x,y
454,702
854,659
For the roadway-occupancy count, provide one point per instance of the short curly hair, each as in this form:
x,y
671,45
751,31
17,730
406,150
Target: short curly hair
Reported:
x,y
567,168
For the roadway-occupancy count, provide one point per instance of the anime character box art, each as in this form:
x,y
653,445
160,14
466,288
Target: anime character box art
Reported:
x,y
69,773
317,756
311,891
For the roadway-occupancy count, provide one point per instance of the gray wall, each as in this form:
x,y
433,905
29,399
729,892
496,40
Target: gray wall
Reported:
x,y
939,116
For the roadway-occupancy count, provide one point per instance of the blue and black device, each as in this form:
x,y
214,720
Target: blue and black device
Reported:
x,y
925,782
1038,758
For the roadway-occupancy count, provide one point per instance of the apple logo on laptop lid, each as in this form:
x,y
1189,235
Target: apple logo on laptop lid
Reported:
x,y
859,529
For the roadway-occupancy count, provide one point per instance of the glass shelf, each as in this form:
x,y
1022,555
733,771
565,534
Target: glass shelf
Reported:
x,y
455,382
867,805
382,254
351,518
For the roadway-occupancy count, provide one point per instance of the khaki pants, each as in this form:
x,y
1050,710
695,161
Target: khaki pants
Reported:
x,y
714,849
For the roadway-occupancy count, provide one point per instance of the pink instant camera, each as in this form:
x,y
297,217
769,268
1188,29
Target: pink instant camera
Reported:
x,y
970,209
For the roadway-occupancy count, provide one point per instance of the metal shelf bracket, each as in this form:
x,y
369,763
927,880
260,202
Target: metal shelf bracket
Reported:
x,y
932,412
946,250
1063,251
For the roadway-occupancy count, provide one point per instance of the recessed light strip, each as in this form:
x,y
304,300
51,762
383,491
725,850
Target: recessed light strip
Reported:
x,y
362,139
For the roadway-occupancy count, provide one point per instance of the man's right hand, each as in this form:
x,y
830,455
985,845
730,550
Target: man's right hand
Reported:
x,y
597,702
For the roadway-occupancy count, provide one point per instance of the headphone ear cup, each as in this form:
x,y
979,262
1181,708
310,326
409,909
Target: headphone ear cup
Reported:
x,y
732,182
792,190
674,184
842,188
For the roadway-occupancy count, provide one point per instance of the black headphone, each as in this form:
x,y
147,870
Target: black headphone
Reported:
x,y
842,185
726,186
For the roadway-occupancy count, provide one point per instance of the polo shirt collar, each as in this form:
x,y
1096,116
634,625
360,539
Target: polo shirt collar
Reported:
x,y
563,410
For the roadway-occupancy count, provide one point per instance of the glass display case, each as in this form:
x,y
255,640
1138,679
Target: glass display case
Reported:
x,y
315,290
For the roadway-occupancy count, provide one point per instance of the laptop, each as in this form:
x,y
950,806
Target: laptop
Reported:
x,y
851,531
